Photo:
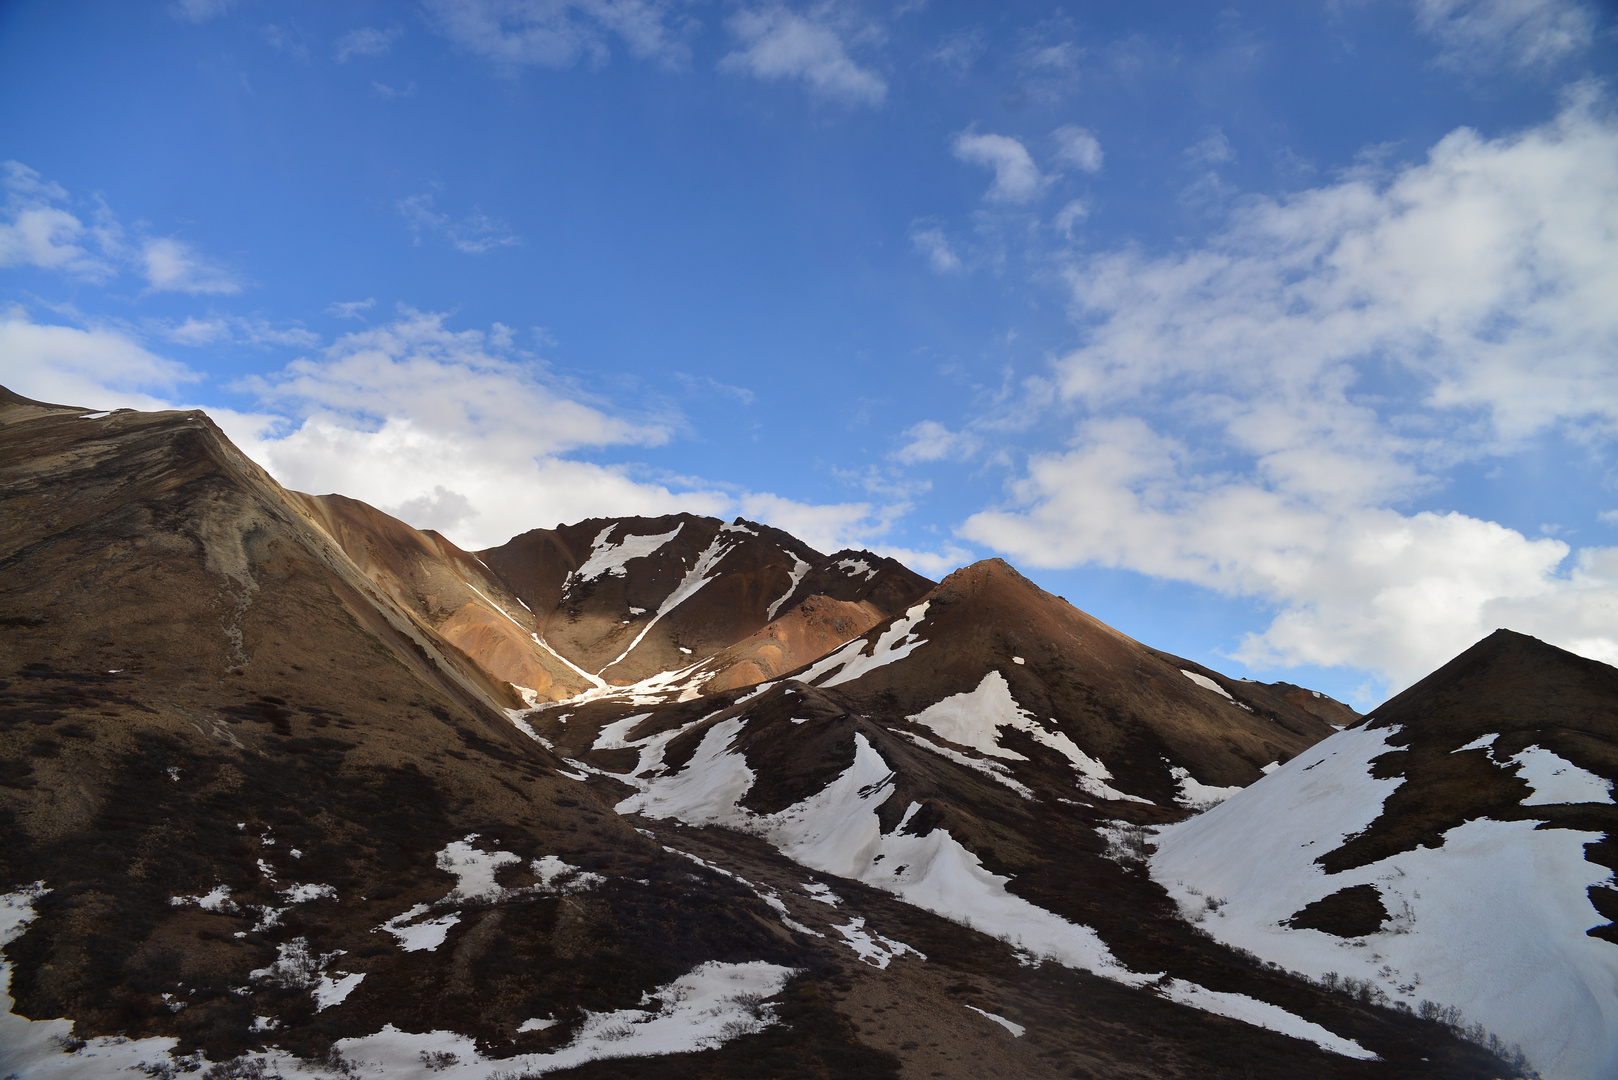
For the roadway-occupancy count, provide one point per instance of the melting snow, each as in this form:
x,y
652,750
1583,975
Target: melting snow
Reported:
x,y
1195,795
1207,684
473,868
33,1048
873,948
857,566
975,718
701,1010
423,935
695,578
614,558
1480,743
836,831
798,571
1493,921
851,661
1015,1029
217,900
1262,1014
1557,780
817,891
537,1024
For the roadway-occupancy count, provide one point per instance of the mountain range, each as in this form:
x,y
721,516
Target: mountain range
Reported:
x,y
289,787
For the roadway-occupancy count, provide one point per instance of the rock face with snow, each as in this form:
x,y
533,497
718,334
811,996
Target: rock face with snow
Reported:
x,y
1452,852
627,598
284,789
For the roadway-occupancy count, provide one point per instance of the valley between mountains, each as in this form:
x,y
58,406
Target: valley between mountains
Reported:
x,y
290,788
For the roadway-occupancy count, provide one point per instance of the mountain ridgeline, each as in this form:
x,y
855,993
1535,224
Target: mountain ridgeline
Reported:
x,y
289,787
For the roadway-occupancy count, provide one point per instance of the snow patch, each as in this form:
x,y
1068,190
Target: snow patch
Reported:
x,y
1015,1029
701,1010
799,569
613,559
1207,684
871,947
1557,780
1195,795
851,661
1262,1014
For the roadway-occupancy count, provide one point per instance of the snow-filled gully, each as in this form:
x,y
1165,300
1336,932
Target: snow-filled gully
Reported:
x,y
837,831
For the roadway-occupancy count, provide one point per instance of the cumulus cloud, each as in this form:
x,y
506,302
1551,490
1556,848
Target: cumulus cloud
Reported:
x,y
1480,34
366,41
1282,354
779,44
1016,178
475,234
555,33
931,242
1078,147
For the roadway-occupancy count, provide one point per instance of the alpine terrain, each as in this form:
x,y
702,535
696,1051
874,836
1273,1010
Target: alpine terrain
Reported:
x,y
290,788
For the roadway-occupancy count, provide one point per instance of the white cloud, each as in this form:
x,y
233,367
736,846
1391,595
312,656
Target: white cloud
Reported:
x,y
38,232
1477,34
235,329
1212,149
171,265
1078,147
366,41
1016,178
350,309
94,369
555,33
779,44
475,234
291,40
932,441
931,242
1071,215
1280,354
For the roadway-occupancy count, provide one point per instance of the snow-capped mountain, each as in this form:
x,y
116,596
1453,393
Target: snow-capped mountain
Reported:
x,y
290,787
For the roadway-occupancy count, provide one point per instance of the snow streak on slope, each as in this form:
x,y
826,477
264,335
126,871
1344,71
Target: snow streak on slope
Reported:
x,y
695,578
798,571
837,831
975,718
849,662
1493,921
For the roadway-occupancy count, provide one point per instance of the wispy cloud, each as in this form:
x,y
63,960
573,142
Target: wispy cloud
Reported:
x,y
200,11
171,265
778,43
351,309
38,229
931,441
290,39
1482,34
556,33
1016,178
233,329
929,239
476,233
366,41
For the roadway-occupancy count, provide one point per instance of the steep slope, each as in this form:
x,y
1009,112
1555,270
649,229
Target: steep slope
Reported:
x,y
629,598
1454,849
451,591
251,805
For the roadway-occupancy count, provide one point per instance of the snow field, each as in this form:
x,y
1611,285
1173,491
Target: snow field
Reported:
x,y
900,639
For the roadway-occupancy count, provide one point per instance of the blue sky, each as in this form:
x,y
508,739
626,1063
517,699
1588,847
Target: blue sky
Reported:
x,y
1283,336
